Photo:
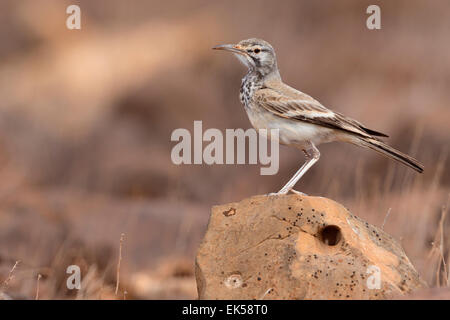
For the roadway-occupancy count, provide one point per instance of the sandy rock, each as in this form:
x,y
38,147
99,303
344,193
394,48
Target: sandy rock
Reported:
x,y
427,294
298,247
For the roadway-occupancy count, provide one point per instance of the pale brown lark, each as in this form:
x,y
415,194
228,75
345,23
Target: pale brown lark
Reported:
x,y
302,121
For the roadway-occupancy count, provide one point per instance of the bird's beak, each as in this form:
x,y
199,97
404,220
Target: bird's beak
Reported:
x,y
231,47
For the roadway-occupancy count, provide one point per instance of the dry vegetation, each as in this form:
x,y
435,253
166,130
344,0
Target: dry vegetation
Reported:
x,y
86,117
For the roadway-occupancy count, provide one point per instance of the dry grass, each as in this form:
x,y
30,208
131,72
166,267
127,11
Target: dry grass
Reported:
x,y
122,238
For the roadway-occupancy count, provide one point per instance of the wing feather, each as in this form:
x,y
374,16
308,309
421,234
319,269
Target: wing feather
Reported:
x,y
305,108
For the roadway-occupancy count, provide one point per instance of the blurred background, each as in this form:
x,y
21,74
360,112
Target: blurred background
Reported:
x,y
86,117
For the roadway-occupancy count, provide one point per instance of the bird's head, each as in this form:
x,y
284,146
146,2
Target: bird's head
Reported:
x,y
257,54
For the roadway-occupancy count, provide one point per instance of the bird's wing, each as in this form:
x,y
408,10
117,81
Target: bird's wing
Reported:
x,y
305,108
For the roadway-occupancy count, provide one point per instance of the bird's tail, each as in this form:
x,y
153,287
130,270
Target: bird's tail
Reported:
x,y
389,152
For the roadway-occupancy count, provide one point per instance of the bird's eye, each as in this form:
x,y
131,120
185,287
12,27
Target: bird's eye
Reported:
x,y
257,50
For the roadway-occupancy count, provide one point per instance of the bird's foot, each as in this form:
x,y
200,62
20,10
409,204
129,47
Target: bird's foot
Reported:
x,y
298,192
281,192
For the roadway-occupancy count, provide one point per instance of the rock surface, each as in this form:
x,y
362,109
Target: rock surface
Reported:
x,y
298,247
427,294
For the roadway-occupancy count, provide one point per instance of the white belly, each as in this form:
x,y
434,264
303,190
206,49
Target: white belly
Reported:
x,y
291,132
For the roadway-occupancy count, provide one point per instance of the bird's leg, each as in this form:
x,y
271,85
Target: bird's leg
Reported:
x,y
312,154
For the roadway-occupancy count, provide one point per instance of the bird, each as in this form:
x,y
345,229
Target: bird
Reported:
x,y
302,121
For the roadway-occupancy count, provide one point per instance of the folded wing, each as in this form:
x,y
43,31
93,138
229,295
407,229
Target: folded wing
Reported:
x,y
305,108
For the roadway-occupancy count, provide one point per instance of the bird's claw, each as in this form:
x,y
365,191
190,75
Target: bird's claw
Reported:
x,y
281,193
298,192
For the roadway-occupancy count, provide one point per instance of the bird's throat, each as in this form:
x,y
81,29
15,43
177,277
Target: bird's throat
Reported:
x,y
250,83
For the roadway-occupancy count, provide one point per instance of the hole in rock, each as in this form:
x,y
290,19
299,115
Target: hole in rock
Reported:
x,y
331,235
